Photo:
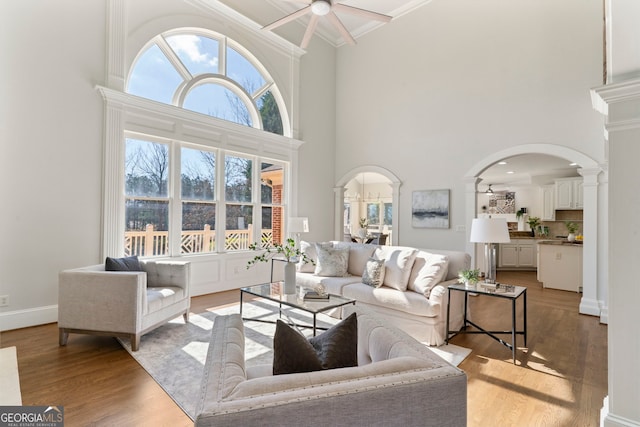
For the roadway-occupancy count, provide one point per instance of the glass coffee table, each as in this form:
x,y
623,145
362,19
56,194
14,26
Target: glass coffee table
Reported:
x,y
274,292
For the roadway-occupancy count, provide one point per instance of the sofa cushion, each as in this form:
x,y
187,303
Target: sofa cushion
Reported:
x,y
332,285
398,263
407,302
373,274
122,264
332,262
428,270
359,253
335,348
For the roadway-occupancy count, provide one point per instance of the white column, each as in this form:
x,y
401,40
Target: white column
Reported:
x,y
621,104
589,302
338,220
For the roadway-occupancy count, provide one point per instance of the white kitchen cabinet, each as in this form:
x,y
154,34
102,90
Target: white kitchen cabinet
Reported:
x,y
560,266
549,202
569,193
520,253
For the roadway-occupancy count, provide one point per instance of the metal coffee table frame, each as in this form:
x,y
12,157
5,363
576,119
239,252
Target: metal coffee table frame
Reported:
x,y
275,292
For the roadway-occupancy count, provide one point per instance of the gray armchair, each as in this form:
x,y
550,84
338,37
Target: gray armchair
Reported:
x,y
122,303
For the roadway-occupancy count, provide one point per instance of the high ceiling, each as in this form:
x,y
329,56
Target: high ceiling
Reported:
x,y
356,26
527,170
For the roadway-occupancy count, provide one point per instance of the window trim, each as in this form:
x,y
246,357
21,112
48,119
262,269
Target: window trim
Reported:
x,y
131,116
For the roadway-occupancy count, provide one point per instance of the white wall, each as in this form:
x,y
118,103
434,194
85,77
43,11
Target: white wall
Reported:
x,y
51,139
52,127
430,93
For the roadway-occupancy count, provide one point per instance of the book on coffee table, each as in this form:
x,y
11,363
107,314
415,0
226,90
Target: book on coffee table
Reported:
x,y
311,295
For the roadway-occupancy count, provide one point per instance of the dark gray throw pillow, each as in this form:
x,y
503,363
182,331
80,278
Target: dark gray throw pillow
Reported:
x,y
122,264
335,348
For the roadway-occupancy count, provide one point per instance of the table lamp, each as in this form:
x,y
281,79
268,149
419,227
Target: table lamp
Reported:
x,y
489,231
298,225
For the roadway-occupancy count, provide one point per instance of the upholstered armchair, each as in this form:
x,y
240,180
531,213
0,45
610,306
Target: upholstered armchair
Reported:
x,y
122,303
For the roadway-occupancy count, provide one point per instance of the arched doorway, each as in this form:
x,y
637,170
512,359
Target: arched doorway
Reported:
x,y
364,191
594,268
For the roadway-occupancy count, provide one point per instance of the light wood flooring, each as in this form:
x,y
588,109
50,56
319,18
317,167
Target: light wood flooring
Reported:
x,y
559,380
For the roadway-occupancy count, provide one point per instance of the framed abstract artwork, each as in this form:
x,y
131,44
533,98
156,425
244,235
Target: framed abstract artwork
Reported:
x,y
430,209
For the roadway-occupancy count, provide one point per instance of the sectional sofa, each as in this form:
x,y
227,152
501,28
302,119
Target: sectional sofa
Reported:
x,y
397,382
410,292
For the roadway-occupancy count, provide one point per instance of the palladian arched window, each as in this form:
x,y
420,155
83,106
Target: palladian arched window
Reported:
x,y
208,73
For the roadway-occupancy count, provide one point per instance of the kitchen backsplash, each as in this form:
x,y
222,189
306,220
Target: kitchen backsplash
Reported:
x,y
558,227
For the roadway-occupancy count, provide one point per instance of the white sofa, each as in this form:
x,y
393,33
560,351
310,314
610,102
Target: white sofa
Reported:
x,y
398,382
414,293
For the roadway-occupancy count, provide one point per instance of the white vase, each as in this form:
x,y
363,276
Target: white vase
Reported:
x,y
290,278
571,237
469,285
362,233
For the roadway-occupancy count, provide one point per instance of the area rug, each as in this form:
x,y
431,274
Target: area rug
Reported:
x,y
174,354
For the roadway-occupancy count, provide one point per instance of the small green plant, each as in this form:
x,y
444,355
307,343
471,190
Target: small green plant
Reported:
x,y
363,222
287,249
572,227
533,222
519,214
469,276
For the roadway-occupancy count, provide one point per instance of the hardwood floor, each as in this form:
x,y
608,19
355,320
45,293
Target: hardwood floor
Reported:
x,y
560,379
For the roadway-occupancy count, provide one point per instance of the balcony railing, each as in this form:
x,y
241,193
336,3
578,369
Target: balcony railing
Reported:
x,y
156,243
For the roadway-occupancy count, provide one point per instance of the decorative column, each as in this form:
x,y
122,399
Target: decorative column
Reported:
x,y
620,103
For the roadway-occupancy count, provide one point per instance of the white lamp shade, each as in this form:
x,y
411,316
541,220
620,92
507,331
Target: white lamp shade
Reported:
x,y
489,230
299,225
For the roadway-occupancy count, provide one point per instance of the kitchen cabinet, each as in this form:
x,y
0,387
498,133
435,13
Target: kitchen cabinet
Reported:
x,y
569,193
520,253
549,202
560,266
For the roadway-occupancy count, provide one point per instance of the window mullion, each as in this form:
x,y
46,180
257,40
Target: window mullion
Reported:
x,y
256,200
221,208
175,199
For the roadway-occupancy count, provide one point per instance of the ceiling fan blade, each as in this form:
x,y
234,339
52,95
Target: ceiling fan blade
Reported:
x,y
361,12
287,18
340,27
310,29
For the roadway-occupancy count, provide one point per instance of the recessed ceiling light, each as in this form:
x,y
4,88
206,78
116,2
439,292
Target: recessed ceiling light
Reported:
x,y
510,172
502,163
573,164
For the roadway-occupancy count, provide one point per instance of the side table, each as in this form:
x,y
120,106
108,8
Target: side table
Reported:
x,y
514,293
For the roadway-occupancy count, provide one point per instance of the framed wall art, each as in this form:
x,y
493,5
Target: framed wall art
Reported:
x,y
430,209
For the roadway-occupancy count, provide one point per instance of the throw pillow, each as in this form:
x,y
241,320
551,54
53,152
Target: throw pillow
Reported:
x,y
309,249
122,264
292,352
398,262
428,270
373,274
335,348
332,262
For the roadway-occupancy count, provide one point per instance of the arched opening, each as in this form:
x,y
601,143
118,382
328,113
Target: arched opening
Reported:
x,y
366,204
594,255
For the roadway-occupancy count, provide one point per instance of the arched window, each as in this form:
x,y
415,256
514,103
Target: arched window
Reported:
x,y
190,192
208,73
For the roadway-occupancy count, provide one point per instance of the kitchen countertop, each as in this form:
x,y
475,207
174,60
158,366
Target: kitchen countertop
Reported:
x,y
559,243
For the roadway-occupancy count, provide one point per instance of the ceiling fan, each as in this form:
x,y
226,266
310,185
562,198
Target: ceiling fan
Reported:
x,y
328,8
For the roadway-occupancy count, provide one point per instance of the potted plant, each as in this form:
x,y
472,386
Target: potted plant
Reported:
x,y
572,228
469,277
533,222
290,253
362,232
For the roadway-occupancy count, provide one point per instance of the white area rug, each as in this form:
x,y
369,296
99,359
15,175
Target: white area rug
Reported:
x,y
174,354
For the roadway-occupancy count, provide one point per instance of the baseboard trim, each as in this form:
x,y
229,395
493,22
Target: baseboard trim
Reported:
x,y
589,306
607,419
18,319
